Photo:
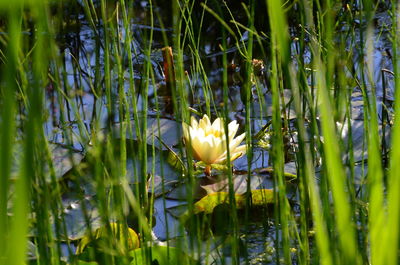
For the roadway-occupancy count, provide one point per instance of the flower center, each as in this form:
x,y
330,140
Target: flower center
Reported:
x,y
216,133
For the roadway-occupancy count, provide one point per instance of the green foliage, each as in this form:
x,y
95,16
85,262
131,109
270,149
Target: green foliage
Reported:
x,y
124,239
160,255
210,201
90,131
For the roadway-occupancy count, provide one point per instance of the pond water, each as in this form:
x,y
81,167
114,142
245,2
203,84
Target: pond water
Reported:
x,y
83,58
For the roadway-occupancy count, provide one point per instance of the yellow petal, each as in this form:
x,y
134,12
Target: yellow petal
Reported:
x,y
208,141
196,148
239,151
185,128
196,133
233,144
193,122
219,148
233,127
207,150
217,125
204,123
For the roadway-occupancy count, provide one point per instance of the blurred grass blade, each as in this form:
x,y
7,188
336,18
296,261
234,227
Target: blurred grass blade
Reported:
x,y
7,123
279,50
392,230
335,172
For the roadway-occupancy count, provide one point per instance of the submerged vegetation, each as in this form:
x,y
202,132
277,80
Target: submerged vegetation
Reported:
x,y
108,154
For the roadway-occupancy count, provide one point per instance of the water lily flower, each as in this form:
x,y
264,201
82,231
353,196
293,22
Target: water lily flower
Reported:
x,y
208,141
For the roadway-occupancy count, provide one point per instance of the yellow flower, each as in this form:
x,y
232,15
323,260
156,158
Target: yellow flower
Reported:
x,y
208,141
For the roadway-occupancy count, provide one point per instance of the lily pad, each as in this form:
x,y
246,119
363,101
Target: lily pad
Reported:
x,y
290,170
266,110
81,178
181,192
104,246
167,225
161,255
82,262
167,130
239,184
209,202
132,238
262,197
63,159
75,218
360,147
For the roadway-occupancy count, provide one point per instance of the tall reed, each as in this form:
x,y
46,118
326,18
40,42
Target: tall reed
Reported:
x,y
337,215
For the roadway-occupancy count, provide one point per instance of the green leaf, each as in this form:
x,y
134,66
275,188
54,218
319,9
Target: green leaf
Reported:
x,y
218,167
131,239
81,262
209,202
270,170
173,158
262,197
161,255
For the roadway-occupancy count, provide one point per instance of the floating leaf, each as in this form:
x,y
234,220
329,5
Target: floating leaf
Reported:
x,y
159,186
181,192
167,130
63,159
173,158
262,197
360,147
81,177
81,262
265,110
239,184
75,215
161,255
200,165
209,202
270,170
117,230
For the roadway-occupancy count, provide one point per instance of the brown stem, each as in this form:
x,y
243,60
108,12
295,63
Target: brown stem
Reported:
x,y
207,170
